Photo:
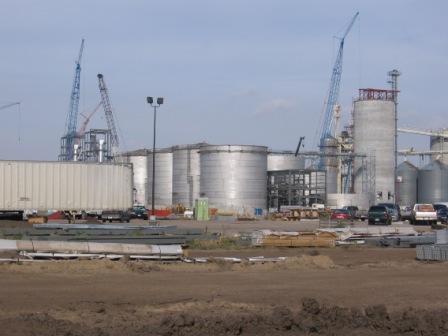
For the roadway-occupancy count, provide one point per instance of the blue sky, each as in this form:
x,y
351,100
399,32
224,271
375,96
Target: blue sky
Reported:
x,y
233,71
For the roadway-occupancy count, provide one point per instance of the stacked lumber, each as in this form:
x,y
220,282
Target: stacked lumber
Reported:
x,y
294,239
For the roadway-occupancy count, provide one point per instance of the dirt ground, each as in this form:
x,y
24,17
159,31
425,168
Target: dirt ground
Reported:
x,y
340,291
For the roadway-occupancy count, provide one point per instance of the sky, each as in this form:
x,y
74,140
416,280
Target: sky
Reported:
x,y
231,71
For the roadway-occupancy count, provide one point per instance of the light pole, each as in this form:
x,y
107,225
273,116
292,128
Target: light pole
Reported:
x,y
159,102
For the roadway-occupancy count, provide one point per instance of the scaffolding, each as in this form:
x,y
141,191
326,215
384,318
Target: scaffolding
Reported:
x,y
300,187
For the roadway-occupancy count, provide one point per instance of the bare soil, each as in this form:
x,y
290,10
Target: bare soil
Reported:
x,y
340,291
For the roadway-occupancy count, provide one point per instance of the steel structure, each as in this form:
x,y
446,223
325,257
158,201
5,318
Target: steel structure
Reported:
x,y
86,121
105,100
68,140
327,127
96,146
301,187
407,176
284,160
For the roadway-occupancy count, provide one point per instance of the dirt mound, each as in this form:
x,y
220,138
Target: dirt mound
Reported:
x,y
209,318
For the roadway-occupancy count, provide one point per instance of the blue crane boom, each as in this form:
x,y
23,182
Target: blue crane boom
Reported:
x,y
72,117
327,127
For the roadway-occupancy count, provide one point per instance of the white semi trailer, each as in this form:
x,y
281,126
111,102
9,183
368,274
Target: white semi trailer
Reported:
x,y
64,186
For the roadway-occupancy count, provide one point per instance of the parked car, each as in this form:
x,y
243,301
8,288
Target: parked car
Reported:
x,y
139,212
424,214
115,215
393,209
355,212
341,214
406,213
379,214
442,213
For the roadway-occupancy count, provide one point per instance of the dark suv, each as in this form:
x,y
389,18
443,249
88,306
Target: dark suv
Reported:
x,y
442,213
393,209
379,214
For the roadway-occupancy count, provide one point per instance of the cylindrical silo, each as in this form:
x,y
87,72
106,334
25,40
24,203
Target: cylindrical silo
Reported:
x,y
407,175
439,144
330,164
138,159
234,177
163,186
433,183
374,136
284,161
186,174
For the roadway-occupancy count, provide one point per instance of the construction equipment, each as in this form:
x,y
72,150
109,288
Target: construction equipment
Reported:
x,y
109,113
331,104
68,140
299,145
86,121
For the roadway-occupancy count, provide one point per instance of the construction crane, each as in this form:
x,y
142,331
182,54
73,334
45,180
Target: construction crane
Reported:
x,y
331,108
9,105
72,117
105,100
86,121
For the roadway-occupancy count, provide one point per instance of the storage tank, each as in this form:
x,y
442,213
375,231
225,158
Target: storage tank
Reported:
x,y
439,144
186,174
374,136
330,163
407,175
433,183
337,201
138,159
284,160
163,193
234,177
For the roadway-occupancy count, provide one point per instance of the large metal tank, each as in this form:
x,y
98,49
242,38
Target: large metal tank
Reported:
x,y
284,161
336,201
186,174
330,163
233,177
407,175
439,144
374,136
163,187
138,159
433,183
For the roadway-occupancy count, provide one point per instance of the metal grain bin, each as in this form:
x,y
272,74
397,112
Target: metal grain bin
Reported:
x,y
374,136
38,185
234,177
284,161
439,144
186,174
433,183
407,175
163,193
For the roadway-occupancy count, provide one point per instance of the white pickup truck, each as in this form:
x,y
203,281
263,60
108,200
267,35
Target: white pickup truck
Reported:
x,y
424,214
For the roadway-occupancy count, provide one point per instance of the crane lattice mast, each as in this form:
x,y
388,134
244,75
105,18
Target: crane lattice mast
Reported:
x,y
328,124
72,117
105,100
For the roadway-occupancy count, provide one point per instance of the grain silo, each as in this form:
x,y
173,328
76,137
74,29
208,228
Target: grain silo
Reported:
x,y
439,144
138,159
186,174
433,183
374,136
163,187
234,177
284,160
407,176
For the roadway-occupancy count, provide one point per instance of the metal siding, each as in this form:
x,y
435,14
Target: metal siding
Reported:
x,y
284,161
433,183
374,134
234,177
64,186
163,186
407,173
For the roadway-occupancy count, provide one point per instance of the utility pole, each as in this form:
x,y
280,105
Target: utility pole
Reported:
x,y
393,81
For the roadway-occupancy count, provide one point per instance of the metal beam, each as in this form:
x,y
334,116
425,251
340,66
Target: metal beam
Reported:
x,y
423,132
